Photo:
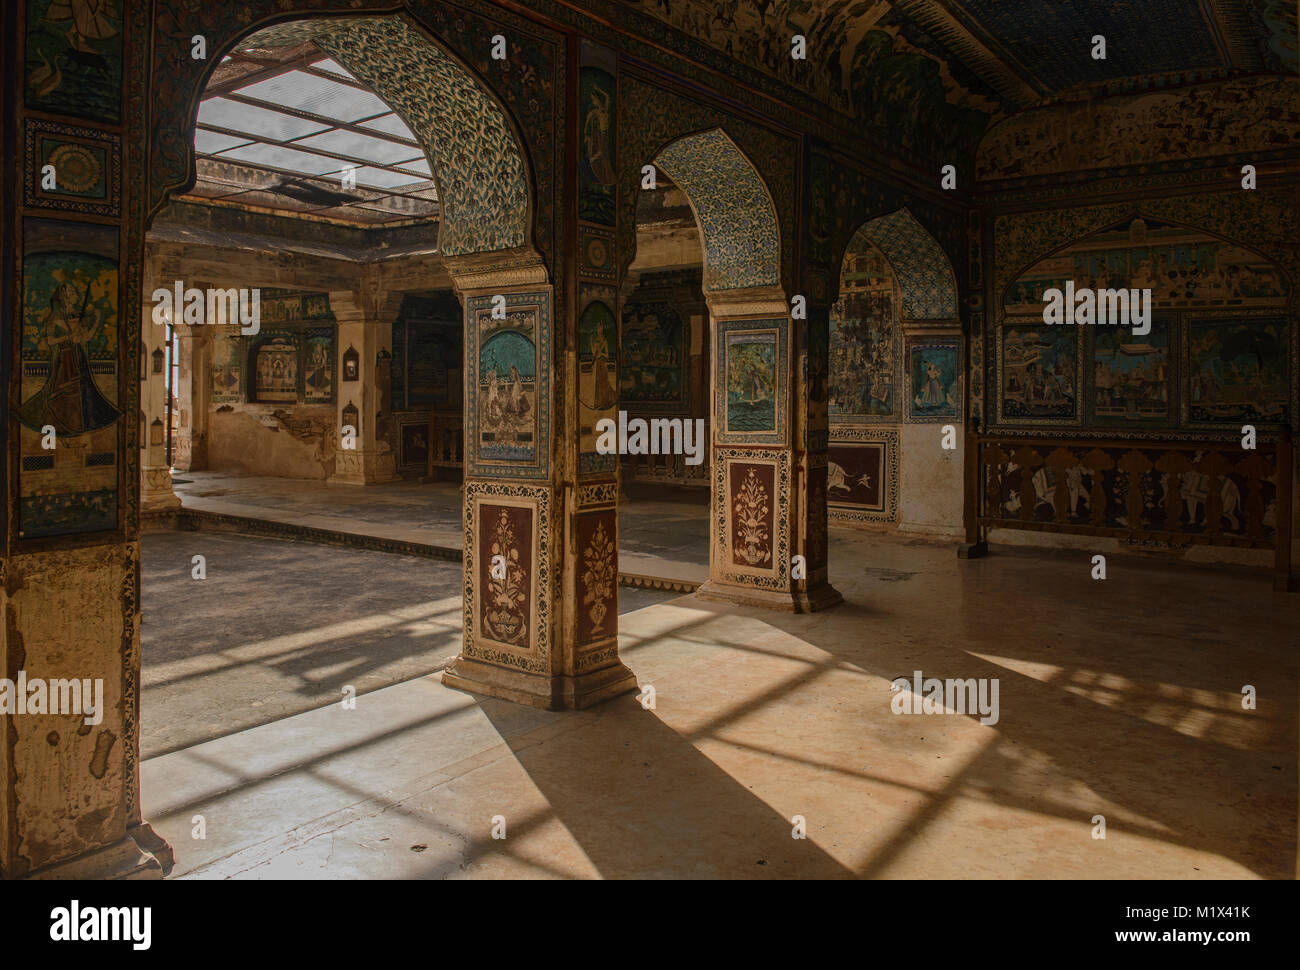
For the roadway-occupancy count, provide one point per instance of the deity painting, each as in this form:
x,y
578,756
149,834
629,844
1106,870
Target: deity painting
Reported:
x,y
751,381
507,390
933,373
596,174
275,371
70,400
1237,370
597,371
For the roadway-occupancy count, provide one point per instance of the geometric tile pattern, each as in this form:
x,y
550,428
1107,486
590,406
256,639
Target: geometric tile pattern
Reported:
x,y
921,267
742,245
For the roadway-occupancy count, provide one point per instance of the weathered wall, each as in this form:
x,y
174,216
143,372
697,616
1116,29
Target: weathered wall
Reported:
x,y
71,786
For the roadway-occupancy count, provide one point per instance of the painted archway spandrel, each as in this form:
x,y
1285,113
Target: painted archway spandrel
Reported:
x,y
648,118
529,83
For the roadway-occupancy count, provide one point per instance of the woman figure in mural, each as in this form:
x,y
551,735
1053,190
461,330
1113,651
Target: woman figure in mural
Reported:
x,y
931,395
70,401
606,393
517,404
596,136
493,407
756,384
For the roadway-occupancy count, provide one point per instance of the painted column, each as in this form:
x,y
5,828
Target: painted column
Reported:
x,y
541,560
764,481
365,327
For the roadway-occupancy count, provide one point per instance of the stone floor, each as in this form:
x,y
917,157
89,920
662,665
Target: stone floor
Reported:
x,y
1120,698
280,627
663,530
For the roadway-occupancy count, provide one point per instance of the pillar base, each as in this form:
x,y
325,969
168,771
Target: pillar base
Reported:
x,y
972,550
125,859
554,693
821,597
156,493
364,468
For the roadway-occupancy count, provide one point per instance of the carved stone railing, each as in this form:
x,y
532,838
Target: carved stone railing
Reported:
x,y
1158,493
669,469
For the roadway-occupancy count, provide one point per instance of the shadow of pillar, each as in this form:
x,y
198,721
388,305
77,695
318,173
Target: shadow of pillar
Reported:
x,y
655,807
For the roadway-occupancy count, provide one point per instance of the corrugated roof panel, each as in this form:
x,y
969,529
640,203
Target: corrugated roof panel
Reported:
x,y
318,95
258,122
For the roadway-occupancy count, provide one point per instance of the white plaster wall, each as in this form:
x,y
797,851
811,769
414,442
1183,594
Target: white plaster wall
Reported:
x,y
929,481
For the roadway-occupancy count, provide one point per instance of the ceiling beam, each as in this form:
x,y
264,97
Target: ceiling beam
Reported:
x,y
997,68
352,126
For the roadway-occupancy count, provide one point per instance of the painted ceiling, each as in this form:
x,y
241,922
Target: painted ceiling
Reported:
x,y
932,71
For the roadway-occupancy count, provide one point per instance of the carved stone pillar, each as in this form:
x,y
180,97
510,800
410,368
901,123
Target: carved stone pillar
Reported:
x,y
365,318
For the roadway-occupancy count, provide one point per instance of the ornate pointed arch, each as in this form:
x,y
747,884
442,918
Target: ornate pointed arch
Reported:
x,y
734,210
922,269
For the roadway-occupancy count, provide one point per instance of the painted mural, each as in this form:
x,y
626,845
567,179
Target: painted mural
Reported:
x,y
1231,117
1132,378
597,377
933,379
1238,371
596,161
318,371
1039,373
507,388
227,365
855,475
508,401
68,388
1182,267
864,356
652,371
751,388
1192,491
275,369
74,58
293,306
